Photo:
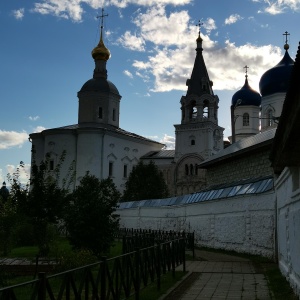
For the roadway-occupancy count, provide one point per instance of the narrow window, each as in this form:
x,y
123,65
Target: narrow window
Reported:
x,y
270,118
100,113
114,115
110,169
125,171
191,169
186,170
205,110
245,119
51,165
192,142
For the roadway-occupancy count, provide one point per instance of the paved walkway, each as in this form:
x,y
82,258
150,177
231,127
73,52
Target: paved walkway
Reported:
x,y
220,276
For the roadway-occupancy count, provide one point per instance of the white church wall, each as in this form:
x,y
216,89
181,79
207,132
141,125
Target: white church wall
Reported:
x,y
272,103
243,224
55,145
288,225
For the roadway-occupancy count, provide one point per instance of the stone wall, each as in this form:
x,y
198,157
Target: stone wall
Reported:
x,y
288,225
243,224
254,165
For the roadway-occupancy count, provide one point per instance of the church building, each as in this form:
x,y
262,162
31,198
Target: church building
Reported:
x,y
96,143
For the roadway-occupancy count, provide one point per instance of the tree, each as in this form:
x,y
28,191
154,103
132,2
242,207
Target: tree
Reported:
x,y
90,219
145,182
42,204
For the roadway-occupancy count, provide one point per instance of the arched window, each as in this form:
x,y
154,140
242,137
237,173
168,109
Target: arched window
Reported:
x,y
245,119
205,109
186,170
194,114
192,142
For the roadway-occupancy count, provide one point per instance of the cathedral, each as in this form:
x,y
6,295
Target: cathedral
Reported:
x,y
98,145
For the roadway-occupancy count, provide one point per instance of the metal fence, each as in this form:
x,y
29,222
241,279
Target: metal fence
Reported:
x,y
141,238
110,279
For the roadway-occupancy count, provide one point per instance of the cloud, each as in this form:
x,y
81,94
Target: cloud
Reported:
x,y
33,118
169,141
233,19
209,25
132,42
171,57
38,129
24,172
18,13
10,139
127,73
280,6
158,28
67,9
73,9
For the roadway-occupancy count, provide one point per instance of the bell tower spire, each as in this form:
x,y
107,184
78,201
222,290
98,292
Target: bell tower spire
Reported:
x,y
199,131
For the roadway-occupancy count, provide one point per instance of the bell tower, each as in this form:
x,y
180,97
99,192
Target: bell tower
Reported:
x,y
199,131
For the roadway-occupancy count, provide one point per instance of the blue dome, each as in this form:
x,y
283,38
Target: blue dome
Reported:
x,y
276,80
99,84
247,95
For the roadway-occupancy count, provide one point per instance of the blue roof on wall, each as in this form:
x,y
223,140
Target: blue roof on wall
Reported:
x,y
244,187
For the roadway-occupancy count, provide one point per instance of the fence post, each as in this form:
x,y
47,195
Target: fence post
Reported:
x,y
158,266
183,254
103,279
173,258
42,286
137,274
193,243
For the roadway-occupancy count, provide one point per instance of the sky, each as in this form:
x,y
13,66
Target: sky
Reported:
x,y
46,58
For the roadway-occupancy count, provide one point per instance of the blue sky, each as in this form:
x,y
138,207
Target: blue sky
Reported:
x,y
46,58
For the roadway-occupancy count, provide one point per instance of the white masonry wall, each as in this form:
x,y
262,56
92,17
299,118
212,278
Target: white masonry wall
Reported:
x,y
288,225
243,224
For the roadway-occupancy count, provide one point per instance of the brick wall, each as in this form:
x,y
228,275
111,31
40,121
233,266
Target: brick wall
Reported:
x,y
244,167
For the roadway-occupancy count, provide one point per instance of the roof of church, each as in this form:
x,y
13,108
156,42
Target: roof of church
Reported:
x,y
241,146
276,80
159,154
286,146
197,83
246,96
95,126
99,84
245,187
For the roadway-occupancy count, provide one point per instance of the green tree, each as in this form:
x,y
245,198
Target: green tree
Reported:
x,y
145,182
90,221
8,221
43,204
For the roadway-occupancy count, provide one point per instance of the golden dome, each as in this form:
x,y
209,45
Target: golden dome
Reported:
x,y
100,52
199,39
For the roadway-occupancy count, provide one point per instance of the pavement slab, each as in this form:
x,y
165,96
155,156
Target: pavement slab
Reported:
x,y
218,277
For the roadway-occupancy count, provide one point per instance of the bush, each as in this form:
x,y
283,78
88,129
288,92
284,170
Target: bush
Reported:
x,y
74,259
90,219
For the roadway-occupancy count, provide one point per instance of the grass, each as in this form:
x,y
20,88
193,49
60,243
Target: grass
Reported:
x,y
279,285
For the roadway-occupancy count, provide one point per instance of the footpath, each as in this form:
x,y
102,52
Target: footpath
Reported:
x,y
219,276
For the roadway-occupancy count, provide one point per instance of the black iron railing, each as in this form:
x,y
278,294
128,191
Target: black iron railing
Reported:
x,y
110,279
142,238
